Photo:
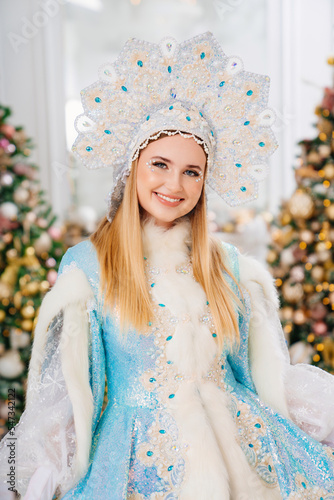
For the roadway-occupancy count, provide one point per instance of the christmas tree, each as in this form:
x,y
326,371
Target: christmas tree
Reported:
x,y
30,251
301,254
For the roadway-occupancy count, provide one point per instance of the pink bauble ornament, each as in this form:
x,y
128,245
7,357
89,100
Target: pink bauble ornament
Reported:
x,y
55,233
52,277
4,143
318,311
7,130
320,328
297,273
50,262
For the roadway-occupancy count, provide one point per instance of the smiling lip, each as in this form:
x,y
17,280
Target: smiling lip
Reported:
x,y
168,202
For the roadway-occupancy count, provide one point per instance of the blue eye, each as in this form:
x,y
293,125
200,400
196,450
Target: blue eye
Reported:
x,y
158,164
192,173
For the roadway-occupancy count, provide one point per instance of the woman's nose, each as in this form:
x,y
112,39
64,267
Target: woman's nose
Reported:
x,y
174,182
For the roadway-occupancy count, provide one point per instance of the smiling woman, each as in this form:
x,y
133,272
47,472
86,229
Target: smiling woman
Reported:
x,y
202,401
170,177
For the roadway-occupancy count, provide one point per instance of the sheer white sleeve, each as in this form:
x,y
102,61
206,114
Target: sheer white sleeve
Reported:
x,y
306,392
47,451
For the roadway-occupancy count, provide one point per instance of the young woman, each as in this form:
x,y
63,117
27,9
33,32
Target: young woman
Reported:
x,y
202,401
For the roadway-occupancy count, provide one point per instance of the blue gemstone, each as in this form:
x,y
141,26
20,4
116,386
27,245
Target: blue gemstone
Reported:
x,y
162,305
152,285
243,188
170,467
201,114
162,431
152,379
171,396
107,132
188,118
89,148
140,63
169,362
222,83
222,367
211,132
124,88
207,302
249,92
214,335
258,426
149,453
251,445
303,485
246,122
238,414
169,337
202,55
97,99
262,144
148,117
269,467
171,107
238,165
150,323
145,258
169,69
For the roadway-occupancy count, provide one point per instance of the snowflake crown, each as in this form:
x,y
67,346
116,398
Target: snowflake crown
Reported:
x,y
191,88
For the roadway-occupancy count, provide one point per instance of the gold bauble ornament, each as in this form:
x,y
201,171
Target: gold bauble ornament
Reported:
x,y
18,300
328,351
287,313
2,315
271,256
325,126
27,324
285,218
329,211
313,157
5,290
308,288
320,247
307,236
44,286
329,171
301,205
330,61
299,317
28,312
32,288
317,273
292,292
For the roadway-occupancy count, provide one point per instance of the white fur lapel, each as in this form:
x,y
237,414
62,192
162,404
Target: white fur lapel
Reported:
x,y
70,294
267,359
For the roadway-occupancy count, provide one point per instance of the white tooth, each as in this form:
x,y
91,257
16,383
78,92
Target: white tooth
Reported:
x,y
168,199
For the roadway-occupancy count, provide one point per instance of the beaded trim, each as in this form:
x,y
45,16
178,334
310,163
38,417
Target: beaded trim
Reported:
x,y
191,87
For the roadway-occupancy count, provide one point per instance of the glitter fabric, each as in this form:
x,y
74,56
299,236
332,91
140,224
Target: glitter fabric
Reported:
x,y
182,420
190,88
139,450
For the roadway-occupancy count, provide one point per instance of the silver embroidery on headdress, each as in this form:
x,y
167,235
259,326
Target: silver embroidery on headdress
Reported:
x,y
190,88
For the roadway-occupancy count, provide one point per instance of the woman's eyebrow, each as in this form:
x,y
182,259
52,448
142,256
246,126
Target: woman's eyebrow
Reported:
x,y
170,161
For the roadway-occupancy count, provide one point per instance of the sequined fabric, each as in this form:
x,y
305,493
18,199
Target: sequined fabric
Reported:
x,y
140,448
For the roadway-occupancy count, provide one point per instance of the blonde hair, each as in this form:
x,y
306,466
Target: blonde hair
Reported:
x,y
120,253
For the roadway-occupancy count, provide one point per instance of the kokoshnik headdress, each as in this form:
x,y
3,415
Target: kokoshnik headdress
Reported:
x,y
190,88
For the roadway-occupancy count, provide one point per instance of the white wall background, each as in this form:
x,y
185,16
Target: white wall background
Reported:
x,y
51,49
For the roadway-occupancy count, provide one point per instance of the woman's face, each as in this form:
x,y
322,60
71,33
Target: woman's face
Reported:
x,y
170,176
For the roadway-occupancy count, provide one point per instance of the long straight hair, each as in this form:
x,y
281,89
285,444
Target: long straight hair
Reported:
x,y
120,252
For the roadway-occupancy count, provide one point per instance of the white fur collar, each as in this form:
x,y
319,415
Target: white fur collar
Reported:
x,y
166,246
